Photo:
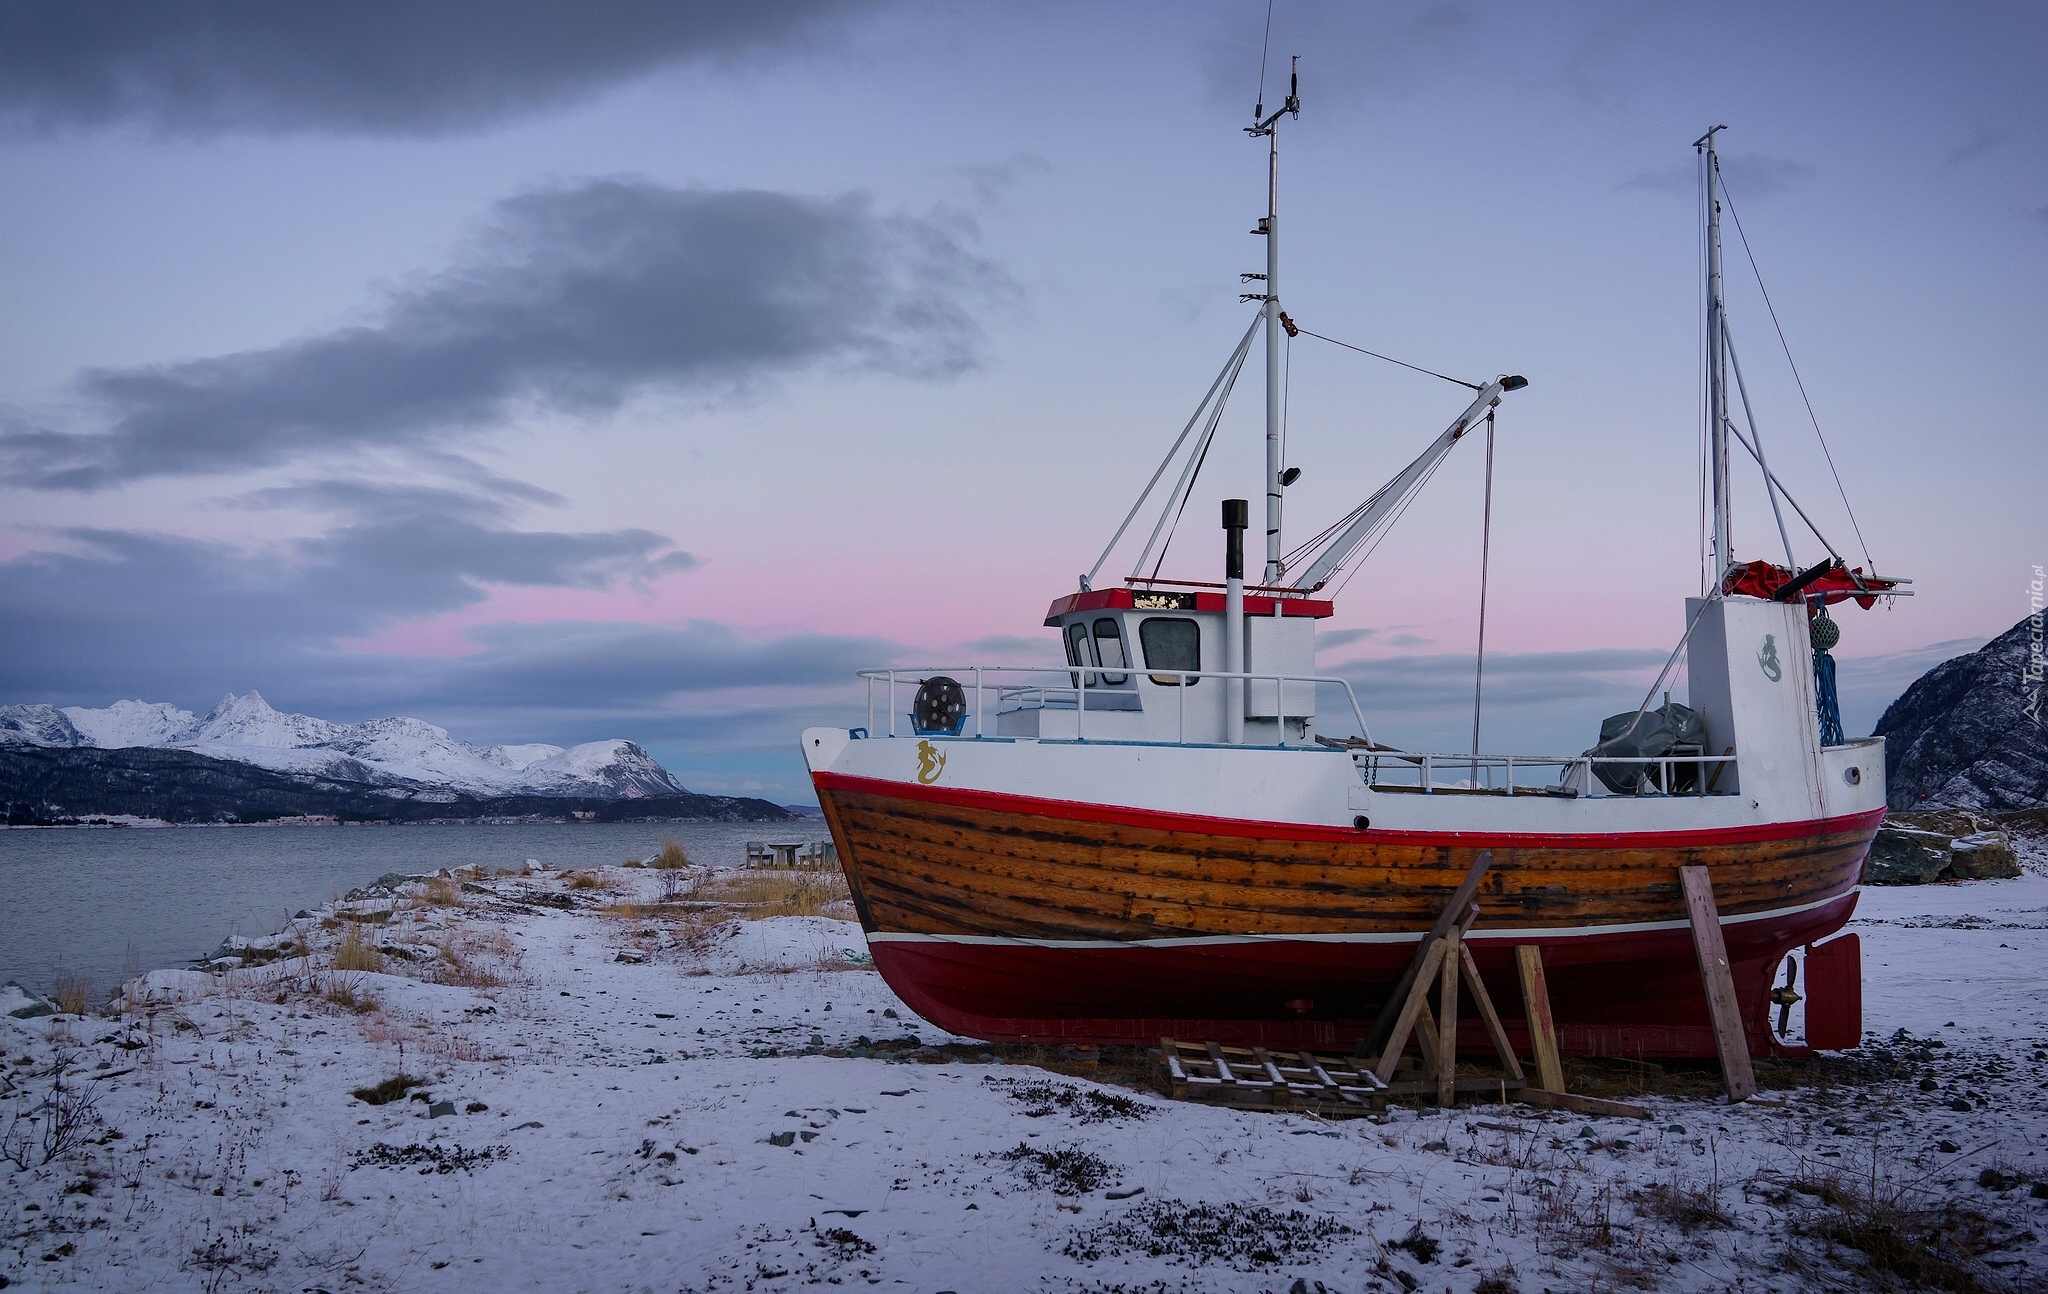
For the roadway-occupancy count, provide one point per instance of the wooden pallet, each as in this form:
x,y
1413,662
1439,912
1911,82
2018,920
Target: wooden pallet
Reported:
x,y
1256,1078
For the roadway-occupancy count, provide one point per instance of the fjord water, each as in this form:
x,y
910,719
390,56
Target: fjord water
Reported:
x,y
74,898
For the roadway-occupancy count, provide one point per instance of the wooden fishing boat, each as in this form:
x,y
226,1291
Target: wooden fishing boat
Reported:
x,y
1158,837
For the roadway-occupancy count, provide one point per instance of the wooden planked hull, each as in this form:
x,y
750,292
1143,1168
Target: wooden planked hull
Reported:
x,y
1011,919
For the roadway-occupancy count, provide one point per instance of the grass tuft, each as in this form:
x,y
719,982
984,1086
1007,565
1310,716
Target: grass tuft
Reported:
x,y
758,894
391,1089
355,953
1687,1207
72,993
1903,1246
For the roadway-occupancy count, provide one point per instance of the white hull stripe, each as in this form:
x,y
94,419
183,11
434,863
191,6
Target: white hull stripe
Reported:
x,y
1394,937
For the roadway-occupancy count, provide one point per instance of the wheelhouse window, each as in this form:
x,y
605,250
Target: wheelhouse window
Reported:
x,y
1079,651
1109,650
1171,643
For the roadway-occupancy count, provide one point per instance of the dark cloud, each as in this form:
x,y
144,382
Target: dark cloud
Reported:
x,y
1419,684
1748,175
404,67
1342,638
992,182
1979,143
1044,647
120,613
574,300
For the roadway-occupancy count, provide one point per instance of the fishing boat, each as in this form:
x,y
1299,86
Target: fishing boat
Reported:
x,y
1183,830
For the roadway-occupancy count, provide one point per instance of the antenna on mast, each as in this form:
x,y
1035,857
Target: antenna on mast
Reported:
x,y
1270,227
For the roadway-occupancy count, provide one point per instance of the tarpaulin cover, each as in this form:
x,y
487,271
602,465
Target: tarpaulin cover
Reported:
x,y
1655,734
1763,580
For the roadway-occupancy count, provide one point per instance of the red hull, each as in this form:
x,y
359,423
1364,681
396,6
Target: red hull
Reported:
x,y
1632,995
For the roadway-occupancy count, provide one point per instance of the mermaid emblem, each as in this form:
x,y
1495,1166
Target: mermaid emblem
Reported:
x,y
930,763
1768,659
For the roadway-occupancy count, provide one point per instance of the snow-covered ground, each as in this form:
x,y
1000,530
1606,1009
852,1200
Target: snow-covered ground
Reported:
x,y
662,1097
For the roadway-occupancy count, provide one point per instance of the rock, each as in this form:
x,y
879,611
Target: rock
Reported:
x,y
1906,856
1986,855
782,1138
22,1003
1968,733
440,1109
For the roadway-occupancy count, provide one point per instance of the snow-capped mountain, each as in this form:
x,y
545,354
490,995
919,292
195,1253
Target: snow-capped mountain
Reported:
x,y
394,751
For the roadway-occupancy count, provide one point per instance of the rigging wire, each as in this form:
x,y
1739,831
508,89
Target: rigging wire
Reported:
x,y
1174,529
1798,380
1358,560
1236,360
1470,386
1485,561
1265,49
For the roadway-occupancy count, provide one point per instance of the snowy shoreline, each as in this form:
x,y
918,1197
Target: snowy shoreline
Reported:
x,y
617,1080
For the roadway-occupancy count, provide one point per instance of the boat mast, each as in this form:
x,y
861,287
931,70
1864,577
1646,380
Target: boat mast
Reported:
x,y
1270,227
1717,362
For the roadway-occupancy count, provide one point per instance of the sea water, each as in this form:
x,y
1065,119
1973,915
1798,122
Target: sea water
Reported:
x,y
74,899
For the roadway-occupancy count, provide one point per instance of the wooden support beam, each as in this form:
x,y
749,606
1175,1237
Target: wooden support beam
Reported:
x,y
1453,914
1719,980
1425,1031
1447,1021
1536,1009
1483,1002
1412,1002
1581,1104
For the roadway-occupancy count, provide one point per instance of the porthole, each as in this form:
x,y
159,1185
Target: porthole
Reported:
x,y
1361,822
1853,775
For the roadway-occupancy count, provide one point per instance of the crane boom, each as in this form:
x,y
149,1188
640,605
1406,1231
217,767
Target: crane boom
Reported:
x,y
1383,504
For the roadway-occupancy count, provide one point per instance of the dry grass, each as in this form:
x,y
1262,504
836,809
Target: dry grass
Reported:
x,y
586,881
1686,1206
72,993
442,894
757,894
671,855
476,958
355,953
1901,1244
345,991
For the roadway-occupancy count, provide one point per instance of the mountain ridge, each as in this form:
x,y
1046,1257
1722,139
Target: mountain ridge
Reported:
x,y
43,786
395,752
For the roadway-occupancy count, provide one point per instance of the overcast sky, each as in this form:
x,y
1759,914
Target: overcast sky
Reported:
x,y
554,372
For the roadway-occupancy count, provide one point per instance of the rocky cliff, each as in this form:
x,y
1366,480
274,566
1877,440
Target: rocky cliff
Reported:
x,y
1970,733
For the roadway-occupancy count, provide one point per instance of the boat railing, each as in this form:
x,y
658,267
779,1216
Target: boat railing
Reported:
x,y
1433,773
1082,683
